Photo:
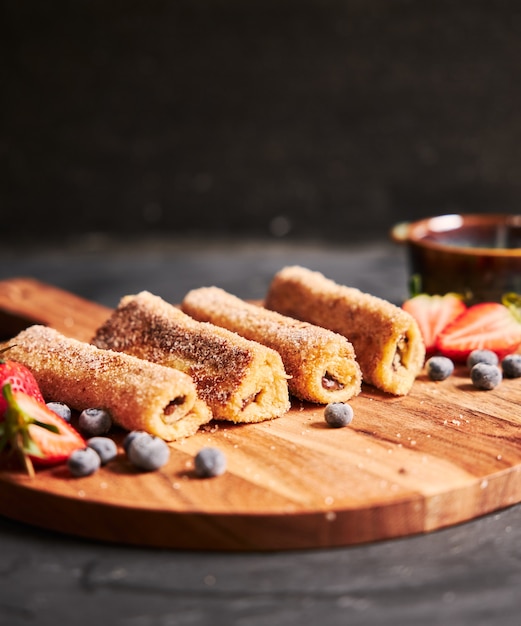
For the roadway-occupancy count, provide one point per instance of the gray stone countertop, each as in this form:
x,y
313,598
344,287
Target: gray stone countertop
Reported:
x,y
466,574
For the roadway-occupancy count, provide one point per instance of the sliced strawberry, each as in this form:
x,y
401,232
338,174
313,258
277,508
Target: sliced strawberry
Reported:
x,y
488,325
20,378
36,432
433,313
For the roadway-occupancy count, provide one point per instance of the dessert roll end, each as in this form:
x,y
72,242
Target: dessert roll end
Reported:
x,y
263,395
400,359
333,378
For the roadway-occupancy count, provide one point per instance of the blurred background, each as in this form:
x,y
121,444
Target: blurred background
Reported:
x,y
300,120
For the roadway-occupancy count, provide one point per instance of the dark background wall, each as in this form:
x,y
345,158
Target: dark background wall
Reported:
x,y
322,119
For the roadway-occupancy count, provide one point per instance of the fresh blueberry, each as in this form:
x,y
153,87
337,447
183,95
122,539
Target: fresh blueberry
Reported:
x,y
485,376
105,447
148,452
209,462
131,436
95,422
61,409
482,356
439,367
83,462
338,414
511,365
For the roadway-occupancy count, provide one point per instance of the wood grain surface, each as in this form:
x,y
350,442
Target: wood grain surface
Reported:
x,y
444,454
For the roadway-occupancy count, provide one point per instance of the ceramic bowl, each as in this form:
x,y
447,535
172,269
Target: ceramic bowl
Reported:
x,y
478,256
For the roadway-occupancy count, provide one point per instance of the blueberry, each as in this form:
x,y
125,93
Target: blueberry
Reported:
x,y
485,376
95,422
105,447
209,462
83,462
511,365
338,414
131,436
148,452
482,356
439,367
61,409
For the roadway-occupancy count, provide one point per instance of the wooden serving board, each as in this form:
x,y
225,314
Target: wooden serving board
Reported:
x,y
444,454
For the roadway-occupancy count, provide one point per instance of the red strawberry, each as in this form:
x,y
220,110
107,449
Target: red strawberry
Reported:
x,y
20,378
488,325
433,313
36,432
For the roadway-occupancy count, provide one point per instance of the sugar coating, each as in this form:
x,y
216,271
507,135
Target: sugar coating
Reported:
x,y
137,393
387,341
321,364
241,380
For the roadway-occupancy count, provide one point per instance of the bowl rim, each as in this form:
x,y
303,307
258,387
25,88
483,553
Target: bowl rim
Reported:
x,y
414,233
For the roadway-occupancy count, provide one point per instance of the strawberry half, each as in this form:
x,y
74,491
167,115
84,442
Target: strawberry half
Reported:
x,y
433,314
20,378
489,325
35,432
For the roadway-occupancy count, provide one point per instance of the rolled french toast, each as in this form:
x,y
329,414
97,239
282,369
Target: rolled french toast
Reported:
x,y
387,341
241,381
139,395
321,364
